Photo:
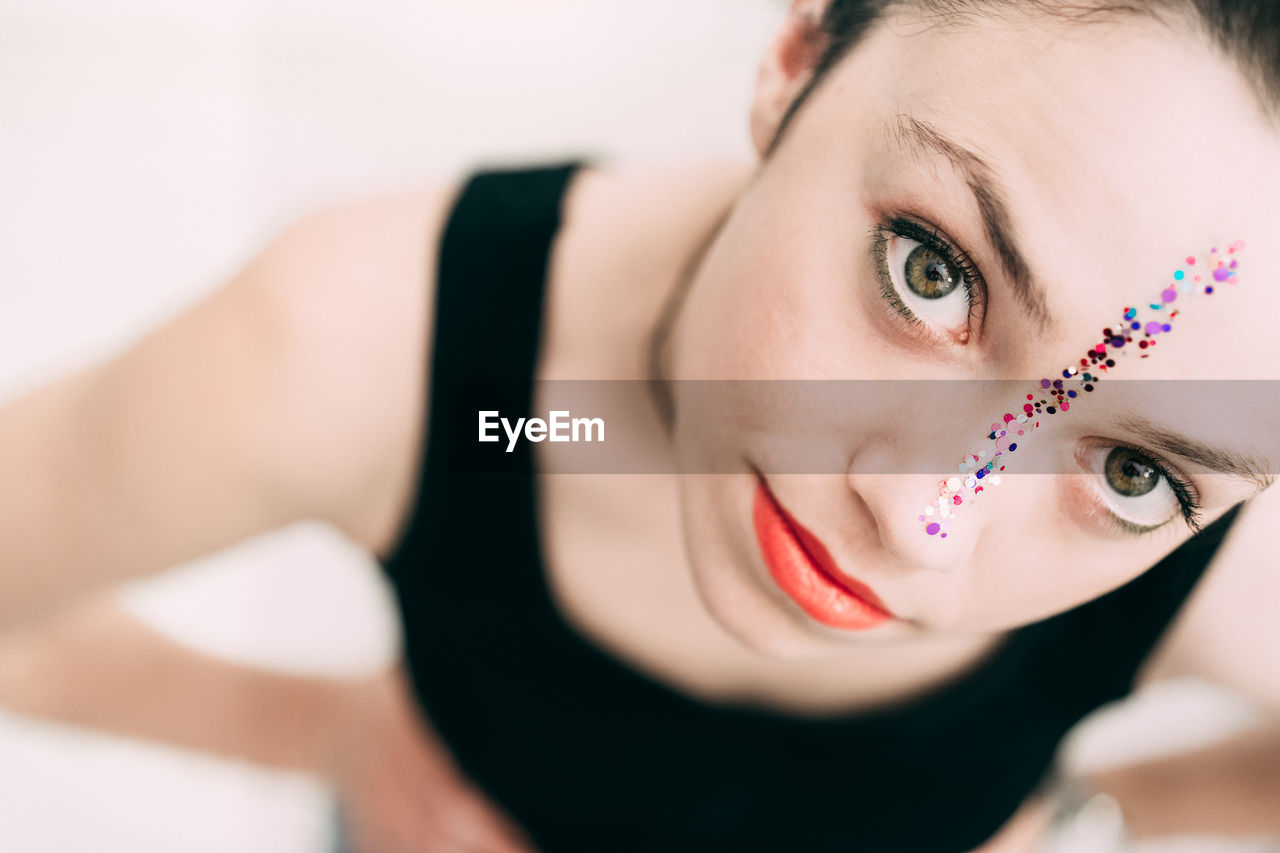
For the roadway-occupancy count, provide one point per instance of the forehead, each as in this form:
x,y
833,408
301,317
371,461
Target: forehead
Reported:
x,y
1122,147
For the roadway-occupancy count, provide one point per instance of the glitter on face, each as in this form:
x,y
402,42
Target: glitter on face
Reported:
x,y
955,492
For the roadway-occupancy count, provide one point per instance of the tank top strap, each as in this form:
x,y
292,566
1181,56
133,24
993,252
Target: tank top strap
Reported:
x,y
492,273
490,284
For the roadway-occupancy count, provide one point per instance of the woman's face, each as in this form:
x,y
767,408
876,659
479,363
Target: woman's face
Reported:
x,y
1104,154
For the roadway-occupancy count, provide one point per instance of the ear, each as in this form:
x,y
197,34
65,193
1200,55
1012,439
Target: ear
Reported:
x,y
786,67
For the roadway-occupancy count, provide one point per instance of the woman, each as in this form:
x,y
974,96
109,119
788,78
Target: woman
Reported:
x,y
747,655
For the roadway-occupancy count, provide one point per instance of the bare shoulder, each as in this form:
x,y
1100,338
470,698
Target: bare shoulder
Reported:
x,y
604,198
290,392
352,288
641,216
1228,631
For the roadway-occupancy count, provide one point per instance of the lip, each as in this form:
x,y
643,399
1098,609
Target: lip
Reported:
x,y
804,569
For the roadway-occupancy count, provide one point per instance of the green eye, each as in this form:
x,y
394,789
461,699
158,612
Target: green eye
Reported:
x,y
1139,492
927,279
1130,473
929,275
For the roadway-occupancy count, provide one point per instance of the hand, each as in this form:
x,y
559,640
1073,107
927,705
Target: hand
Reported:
x,y
401,792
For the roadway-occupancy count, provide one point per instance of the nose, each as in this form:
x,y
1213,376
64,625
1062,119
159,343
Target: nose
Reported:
x,y
928,483
895,505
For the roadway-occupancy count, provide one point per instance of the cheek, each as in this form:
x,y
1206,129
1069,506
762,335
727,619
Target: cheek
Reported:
x,y
1015,594
772,297
1046,555
715,512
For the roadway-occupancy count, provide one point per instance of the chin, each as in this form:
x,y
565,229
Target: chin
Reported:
x,y
748,614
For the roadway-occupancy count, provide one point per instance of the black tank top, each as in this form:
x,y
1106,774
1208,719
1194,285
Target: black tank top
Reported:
x,y
589,754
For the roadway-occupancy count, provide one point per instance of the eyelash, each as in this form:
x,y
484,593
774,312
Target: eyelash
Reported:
x,y
974,284
1182,490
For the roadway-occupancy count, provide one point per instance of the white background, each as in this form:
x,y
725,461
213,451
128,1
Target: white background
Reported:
x,y
148,147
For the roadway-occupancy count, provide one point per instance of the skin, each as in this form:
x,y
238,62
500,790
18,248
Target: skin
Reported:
x,y
1080,129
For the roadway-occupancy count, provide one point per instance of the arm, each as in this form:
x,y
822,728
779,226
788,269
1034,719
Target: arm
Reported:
x,y
292,392
95,665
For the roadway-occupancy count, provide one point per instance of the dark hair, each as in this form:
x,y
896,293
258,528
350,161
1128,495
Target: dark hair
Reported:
x,y
1246,31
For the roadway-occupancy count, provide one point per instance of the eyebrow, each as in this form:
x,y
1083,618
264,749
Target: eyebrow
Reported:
x,y
992,206
1212,458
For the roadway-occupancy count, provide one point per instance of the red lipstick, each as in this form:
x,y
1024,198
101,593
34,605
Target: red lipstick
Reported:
x,y
802,566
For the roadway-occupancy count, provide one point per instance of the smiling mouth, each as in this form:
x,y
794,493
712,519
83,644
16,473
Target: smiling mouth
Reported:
x,y
804,569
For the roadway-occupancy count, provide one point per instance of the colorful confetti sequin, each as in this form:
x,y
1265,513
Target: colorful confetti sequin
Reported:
x,y
981,467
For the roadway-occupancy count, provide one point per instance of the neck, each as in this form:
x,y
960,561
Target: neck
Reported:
x,y
628,252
